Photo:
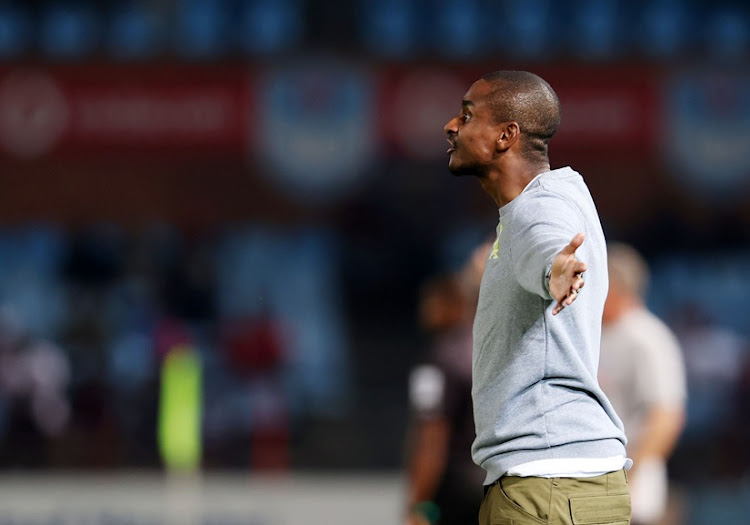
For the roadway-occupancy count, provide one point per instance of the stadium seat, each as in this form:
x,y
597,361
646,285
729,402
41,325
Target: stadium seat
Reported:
x,y
458,28
270,26
69,31
389,28
15,32
134,32
201,28
664,29
530,29
29,283
595,30
728,34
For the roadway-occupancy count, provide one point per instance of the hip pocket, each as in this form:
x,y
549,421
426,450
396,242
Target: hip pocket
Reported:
x,y
597,510
528,497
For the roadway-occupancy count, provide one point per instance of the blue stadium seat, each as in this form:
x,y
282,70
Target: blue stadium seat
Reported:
x,y
201,28
728,34
30,259
69,30
270,26
15,31
664,28
458,28
529,29
135,32
595,29
389,28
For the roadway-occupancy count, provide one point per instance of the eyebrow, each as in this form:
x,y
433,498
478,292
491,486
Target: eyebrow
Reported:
x,y
467,103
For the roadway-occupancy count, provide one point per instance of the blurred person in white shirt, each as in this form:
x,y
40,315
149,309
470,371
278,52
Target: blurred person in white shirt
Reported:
x,y
643,374
34,376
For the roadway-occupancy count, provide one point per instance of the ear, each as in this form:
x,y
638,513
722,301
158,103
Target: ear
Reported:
x,y
509,132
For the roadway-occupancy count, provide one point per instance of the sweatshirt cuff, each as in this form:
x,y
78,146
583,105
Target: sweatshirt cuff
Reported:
x,y
547,277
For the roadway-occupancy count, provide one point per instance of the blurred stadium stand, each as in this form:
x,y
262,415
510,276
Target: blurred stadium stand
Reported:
x,y
395,29
264,181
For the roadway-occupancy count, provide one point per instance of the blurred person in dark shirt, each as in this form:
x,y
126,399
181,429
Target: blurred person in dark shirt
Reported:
x,y
444,485
642,372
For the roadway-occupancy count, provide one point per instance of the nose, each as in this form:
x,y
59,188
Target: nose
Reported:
x,y
451,127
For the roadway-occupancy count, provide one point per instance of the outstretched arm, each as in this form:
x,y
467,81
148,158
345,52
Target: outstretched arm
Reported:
x,y
566,275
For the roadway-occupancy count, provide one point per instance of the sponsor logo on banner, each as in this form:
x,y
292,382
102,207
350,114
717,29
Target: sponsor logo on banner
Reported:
x,y
423,101
100,110
316,133
707,132
34,113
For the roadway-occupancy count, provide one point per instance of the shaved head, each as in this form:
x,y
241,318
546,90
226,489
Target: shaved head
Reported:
x,y
527,99
627,269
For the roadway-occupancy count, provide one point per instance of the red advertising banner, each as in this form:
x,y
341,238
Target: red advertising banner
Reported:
x,y
607,112
104,109
188,110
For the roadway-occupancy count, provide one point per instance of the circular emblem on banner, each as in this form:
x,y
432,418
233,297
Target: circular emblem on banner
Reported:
x,y
708,132
423,102
316,133
33,113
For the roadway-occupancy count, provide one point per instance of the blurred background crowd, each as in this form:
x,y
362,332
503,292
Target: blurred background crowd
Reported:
x,y
263,183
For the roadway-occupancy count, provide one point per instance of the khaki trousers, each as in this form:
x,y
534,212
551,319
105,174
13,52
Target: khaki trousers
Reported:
x,y
515,500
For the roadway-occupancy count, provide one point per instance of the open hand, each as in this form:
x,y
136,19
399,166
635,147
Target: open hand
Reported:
x,y
566,275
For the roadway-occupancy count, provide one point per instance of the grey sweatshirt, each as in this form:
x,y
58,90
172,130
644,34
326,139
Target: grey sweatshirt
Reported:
x,y
535,389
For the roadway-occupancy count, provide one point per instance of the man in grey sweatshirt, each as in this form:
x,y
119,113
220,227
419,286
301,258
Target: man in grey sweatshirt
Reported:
x,y
548,438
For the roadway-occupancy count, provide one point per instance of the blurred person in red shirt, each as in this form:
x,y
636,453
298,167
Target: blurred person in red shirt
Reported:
x,y
642,372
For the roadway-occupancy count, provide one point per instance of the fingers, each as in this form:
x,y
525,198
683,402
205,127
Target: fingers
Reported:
x,y
568,268
578,283
575,243
572,295
558,308
567,301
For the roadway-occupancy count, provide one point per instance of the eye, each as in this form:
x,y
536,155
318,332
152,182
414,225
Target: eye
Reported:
x,y
465,117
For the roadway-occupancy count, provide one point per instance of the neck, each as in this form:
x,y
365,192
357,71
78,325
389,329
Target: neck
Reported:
x,y
504,185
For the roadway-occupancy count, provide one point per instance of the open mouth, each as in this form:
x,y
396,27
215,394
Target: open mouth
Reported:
x,y
452,148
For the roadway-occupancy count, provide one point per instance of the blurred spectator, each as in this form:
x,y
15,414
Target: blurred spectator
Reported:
x,y
444,484
642,372
34,377
715,359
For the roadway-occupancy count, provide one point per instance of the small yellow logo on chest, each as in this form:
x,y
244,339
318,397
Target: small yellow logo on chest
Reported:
x,y
496,245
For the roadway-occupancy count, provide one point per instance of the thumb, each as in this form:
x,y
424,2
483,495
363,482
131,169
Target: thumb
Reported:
x,y
575,243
